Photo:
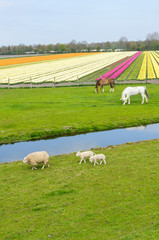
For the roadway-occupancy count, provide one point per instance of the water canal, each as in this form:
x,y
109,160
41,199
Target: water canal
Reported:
x,y
64,145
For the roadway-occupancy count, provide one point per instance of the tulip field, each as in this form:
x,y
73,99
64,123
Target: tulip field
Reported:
x,y
58,69
73,67
141,66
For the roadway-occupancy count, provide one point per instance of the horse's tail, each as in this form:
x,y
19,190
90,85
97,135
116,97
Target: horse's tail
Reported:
x,y
96,87
146,92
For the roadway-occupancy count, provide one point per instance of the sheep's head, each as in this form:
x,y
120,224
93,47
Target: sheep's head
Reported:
x,y
91,159
25,160
78,154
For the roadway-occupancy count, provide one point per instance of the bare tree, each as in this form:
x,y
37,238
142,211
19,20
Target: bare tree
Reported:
x,y
152,36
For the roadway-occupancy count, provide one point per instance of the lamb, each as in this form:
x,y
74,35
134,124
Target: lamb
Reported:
x,y
96,157
84,155
37,157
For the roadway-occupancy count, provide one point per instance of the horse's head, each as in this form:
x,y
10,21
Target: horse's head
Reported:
x,y
124,99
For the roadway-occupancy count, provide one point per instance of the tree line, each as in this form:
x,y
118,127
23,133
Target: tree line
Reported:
x,y
151,43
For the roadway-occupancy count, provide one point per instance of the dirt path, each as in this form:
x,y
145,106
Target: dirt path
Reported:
x,y
30,85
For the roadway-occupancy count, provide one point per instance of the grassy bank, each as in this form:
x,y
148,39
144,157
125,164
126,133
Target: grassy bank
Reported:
x,y
117,201
48,112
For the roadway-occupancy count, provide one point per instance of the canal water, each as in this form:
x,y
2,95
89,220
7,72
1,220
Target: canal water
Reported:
x,y
64,145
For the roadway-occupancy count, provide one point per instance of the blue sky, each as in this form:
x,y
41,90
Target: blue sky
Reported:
x,y
61,21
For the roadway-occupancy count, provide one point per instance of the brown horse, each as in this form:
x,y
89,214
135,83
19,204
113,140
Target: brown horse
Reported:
x,y
103,82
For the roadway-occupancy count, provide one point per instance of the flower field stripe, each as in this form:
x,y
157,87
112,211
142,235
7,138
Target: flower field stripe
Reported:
x,y
121,70
65,69
131,69
113,70
22,60
133,75
142,72
116,68
118,61
150,70
156,56
155,64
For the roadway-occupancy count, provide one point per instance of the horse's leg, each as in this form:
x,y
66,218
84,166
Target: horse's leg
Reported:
x,y
111,89
142,98
128,98
146,98
102,89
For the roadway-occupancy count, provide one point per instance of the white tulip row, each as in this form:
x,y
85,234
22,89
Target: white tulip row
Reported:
x,y
68,69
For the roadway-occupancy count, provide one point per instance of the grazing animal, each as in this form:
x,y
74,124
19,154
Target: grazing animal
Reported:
x,y
129,91
103,82
84,155
97,157
37,157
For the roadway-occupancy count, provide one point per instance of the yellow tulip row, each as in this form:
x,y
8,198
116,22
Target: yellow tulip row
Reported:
x,y
150,66
155,62
150,70
142,73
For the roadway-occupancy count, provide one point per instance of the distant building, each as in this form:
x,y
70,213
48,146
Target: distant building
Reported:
x,y
84,50
102,50
30,52
52,51
119,50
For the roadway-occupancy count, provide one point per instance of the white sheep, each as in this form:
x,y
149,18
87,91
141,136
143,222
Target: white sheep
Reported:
x,y
96,157
84,155
37,157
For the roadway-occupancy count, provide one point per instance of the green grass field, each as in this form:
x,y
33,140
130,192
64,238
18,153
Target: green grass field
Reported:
x,y
117,201
48,112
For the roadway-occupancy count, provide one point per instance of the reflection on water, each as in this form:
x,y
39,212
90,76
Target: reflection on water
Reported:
x,y
64,145
136,128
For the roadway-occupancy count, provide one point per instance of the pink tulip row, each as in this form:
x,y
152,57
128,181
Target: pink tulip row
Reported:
x,y
121,70
115,72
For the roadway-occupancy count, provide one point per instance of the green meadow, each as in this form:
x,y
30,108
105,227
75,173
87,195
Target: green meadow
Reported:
x,y
72,201
27,114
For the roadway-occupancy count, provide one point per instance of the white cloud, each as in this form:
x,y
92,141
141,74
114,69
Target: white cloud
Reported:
x,y
6,4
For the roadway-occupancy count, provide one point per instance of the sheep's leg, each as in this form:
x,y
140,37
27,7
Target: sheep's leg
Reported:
x,y
95,162
33,168
81,160
103,160
43,165
48,164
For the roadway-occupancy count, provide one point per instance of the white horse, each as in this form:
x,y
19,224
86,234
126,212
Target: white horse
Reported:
x,y
134,91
